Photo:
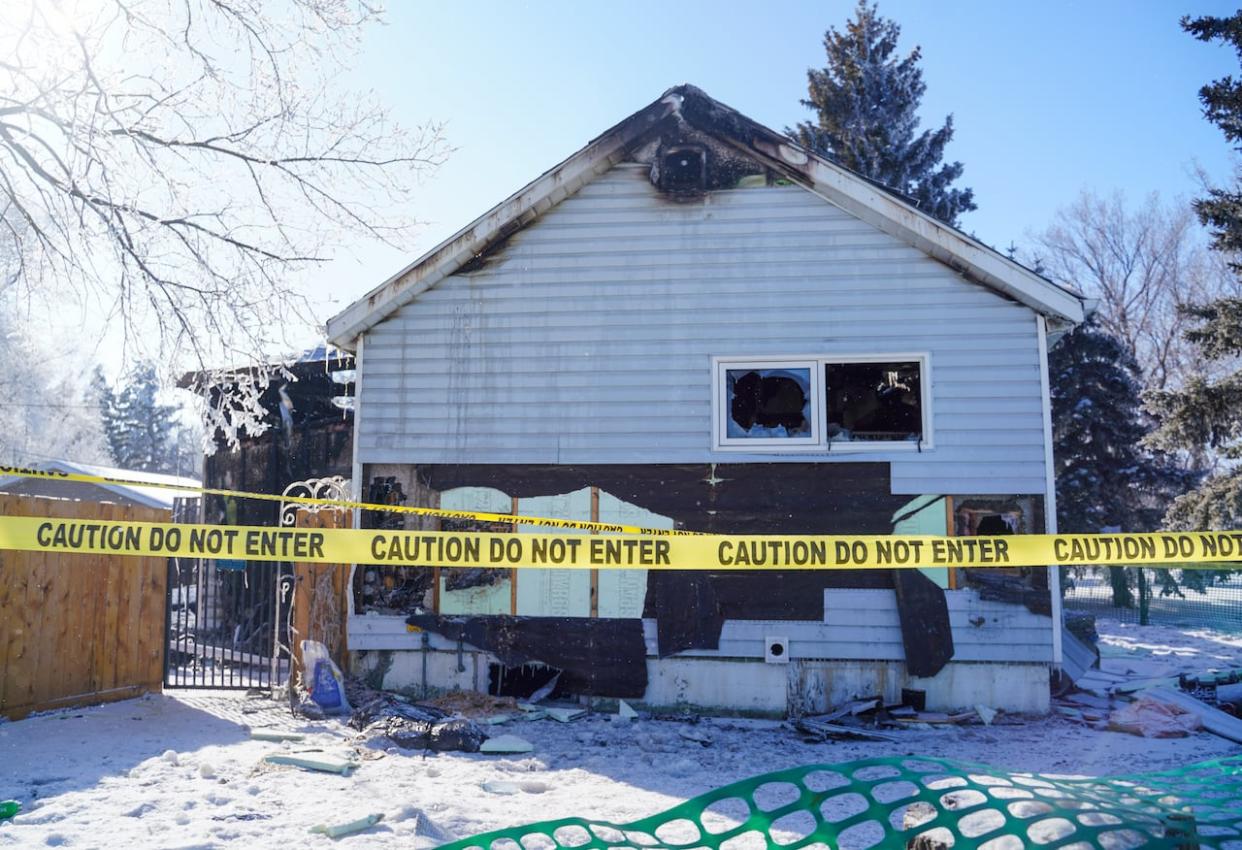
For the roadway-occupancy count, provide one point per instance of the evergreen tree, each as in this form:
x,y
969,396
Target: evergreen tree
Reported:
x,y
1205,415
140,430
1104,476
866,102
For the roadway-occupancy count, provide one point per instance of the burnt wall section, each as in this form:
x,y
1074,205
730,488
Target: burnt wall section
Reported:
x,y
990,515
596,657
690,607
751,498
308,435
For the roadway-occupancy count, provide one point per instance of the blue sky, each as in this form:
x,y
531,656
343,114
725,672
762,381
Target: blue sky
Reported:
x,y
1047,98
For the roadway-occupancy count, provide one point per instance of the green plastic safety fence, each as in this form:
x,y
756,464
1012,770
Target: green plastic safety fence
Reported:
x,y
922,803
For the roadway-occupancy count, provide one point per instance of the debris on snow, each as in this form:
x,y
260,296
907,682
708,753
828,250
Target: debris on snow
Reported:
x,y
697,736
326,764
275,737
348,828
814,729
506,744
564,715
1153,719
1213,719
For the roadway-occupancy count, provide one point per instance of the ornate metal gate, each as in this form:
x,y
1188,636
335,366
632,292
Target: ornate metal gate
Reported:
x,y
230,624
221,616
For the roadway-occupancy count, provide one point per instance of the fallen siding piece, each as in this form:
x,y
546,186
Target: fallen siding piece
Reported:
x,y
564,715
1136,685
1077,657
349,828
506,744
1214,720
324,764
625,711
926,634
267,735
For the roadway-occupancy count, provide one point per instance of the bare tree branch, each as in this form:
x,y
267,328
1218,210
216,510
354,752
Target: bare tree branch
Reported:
x,y
1143,265
185,161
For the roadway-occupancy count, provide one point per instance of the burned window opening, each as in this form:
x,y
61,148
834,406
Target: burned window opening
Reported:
x,y
769,402
874,402
684,169
459,578
984,516
384,589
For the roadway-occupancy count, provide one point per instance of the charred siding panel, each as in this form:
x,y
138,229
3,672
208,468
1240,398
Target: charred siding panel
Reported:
x,y
587,338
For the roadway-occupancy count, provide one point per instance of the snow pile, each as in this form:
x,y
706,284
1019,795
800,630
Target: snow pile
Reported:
x,y
182,770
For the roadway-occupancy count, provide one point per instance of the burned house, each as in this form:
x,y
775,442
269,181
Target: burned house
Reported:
x,y
307,434
694,323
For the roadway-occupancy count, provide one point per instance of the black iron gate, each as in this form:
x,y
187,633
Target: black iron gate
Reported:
x,y
222,620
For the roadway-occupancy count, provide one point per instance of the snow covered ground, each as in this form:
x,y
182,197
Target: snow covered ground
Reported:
x,y
179,770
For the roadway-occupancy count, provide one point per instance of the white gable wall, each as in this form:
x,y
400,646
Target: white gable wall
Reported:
x,y
588,339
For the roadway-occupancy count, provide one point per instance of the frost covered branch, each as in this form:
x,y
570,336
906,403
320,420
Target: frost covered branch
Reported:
x,y
180,161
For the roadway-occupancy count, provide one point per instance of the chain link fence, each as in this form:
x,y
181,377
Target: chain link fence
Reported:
x,y
1209,598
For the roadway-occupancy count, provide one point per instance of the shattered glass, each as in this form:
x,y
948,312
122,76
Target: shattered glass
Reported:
x,y
874,401
769,402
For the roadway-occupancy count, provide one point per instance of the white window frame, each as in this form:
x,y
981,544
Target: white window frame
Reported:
x,y
720,406
818,442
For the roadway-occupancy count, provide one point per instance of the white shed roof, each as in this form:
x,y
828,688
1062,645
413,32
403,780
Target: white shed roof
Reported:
x,y
153,496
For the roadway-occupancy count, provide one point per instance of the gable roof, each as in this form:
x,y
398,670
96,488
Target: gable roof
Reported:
x,y
686,105
153,496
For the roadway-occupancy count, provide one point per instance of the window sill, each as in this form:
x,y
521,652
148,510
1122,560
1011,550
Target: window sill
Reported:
x,y
897,447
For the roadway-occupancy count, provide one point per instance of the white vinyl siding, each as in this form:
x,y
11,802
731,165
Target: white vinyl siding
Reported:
x,y
588,338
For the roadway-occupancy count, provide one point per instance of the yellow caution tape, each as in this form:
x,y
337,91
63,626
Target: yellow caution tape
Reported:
x,y
441,513
576,551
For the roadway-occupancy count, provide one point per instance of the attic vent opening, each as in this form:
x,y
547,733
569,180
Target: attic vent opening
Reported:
x,y
683,169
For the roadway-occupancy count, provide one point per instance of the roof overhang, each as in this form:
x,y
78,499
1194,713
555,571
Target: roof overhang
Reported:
x,y
851,192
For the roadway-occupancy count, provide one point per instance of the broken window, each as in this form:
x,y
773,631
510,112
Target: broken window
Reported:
x,y
830,402
874,401
769,401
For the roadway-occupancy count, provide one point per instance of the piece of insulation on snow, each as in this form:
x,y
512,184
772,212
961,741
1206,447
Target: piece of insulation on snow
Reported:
x,y
326,764
506,744
349,828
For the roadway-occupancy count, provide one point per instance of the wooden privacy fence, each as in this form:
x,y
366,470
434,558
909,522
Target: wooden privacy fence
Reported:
x,y
77,629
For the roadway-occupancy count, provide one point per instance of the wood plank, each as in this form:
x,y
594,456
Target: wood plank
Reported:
x,y
68,663
92,605
513,572
17,621
127,615
950,529
153,582
40,665
594,572
9,564
106,643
